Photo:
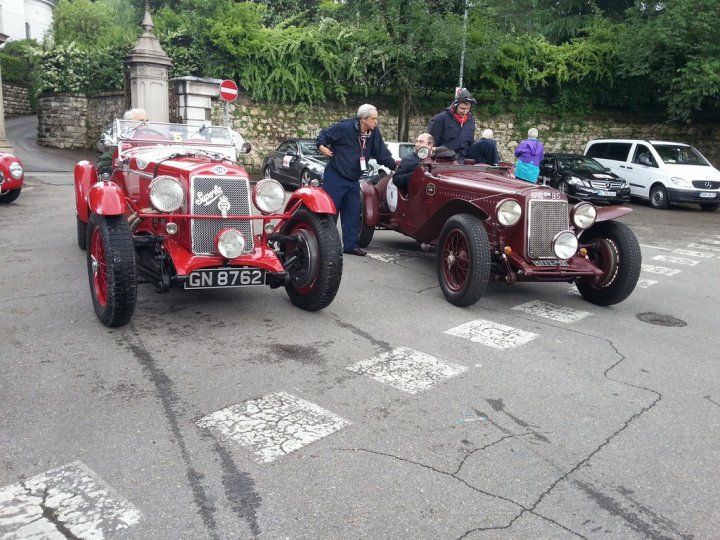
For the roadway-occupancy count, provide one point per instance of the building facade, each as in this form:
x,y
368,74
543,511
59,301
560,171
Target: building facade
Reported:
x,y
26,19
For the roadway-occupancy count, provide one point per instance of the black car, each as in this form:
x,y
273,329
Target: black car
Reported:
x,y
295,163
583,178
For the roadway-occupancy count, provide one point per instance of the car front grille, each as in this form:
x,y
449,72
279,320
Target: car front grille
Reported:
x,y
207,192
706,184
546,218
606,184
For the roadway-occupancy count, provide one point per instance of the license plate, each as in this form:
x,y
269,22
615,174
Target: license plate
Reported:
x,y
607,193
213,278
706,195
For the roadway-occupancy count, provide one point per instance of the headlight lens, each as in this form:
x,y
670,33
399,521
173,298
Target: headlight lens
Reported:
x,y
268,196
681,182
565,245
230,243
584,215
574,180
16,170
166,194
509,212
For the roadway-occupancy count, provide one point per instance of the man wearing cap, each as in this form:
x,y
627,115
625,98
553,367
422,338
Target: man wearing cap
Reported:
x,y
454,128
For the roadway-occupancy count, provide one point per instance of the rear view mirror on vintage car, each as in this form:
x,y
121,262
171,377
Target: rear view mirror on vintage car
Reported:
x,y
245,148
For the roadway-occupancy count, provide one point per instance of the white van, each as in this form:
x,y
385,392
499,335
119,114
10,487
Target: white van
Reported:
x,y
660,171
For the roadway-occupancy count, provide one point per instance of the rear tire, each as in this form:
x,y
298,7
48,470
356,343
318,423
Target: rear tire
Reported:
x,y
463,260
9,196
366,232
314,262
615,251
111,269
659,197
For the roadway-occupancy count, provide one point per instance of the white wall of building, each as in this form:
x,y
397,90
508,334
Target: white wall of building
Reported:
x,y
21,19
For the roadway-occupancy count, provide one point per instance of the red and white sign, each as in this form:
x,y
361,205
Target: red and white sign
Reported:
x,y
228,90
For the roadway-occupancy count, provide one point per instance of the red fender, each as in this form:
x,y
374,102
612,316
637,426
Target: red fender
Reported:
x,y
107,199
371,214
85,176
606,213
316,200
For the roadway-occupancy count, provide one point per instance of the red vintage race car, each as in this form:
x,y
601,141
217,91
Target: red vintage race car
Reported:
x,y
11,178
178,210
487,225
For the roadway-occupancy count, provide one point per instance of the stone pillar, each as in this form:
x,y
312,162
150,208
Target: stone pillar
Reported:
x,y
148,73
5,146
195,99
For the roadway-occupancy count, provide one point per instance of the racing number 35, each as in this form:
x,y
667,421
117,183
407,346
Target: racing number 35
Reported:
x,y
225,277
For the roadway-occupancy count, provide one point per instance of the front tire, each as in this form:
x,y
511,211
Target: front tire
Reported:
x,y
615,250
659,197
267,172
314,261
463,260
111,269
563,186
708,207
305,178
81,233
9,196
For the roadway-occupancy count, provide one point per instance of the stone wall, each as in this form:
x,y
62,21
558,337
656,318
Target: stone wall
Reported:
x,y
102,109
16,100
266,126
62,121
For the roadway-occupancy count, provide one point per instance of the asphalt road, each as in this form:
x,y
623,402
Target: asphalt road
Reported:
x,y
234,415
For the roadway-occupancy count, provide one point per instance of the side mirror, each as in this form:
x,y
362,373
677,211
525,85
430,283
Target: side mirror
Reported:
x,y
245,148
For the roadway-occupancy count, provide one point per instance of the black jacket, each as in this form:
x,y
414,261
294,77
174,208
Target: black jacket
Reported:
x,y
407,165
448,132
484,151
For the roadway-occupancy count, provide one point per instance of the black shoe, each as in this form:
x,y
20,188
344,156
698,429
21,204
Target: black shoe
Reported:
x,y
356,251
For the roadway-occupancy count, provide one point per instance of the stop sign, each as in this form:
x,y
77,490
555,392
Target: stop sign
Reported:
x,y
228,90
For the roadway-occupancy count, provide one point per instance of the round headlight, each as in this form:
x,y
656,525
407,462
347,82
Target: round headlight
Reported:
x,y
16,170
565,245
583,215
166,194
509,212
268,196
230,243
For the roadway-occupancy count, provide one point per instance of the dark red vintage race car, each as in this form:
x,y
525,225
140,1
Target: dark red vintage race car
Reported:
x,y
178,210
486,225
11,178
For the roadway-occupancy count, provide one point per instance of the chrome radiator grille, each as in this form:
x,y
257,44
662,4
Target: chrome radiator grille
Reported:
x,y
606,184
208,196
545,220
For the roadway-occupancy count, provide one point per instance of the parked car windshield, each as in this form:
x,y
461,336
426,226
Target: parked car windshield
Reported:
x,y
309,149
159,132
680,154
580,163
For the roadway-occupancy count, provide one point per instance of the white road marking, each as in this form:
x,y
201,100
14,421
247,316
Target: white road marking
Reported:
x,y
274,425
71,497
498,336
552,311
655,247
406,369
699,254
703,246
710,240
645,283
662,270
675,260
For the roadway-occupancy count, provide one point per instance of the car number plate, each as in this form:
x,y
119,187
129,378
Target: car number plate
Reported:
x,y
707,195
607,193
212,278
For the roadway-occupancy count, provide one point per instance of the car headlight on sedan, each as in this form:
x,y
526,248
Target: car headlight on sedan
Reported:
x,y
565,245
268,196
584,215
575,181
508,212
166,194
230,243
16,170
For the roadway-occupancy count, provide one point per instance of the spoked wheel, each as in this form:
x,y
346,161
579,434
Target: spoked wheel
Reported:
x,y
615,250
81,233
9,196
463,260
111,269
313,261
659,197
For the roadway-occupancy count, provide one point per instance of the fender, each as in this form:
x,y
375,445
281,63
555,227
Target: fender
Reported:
x,y
107,199
371,214
316,200
606,213
85,176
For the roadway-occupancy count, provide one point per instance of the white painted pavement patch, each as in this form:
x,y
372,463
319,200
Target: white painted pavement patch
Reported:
x,y
645,283
703,246
498,336
699,254
274,425
396,257
662,270
552,311
406,369
67,502
710,240
675,260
